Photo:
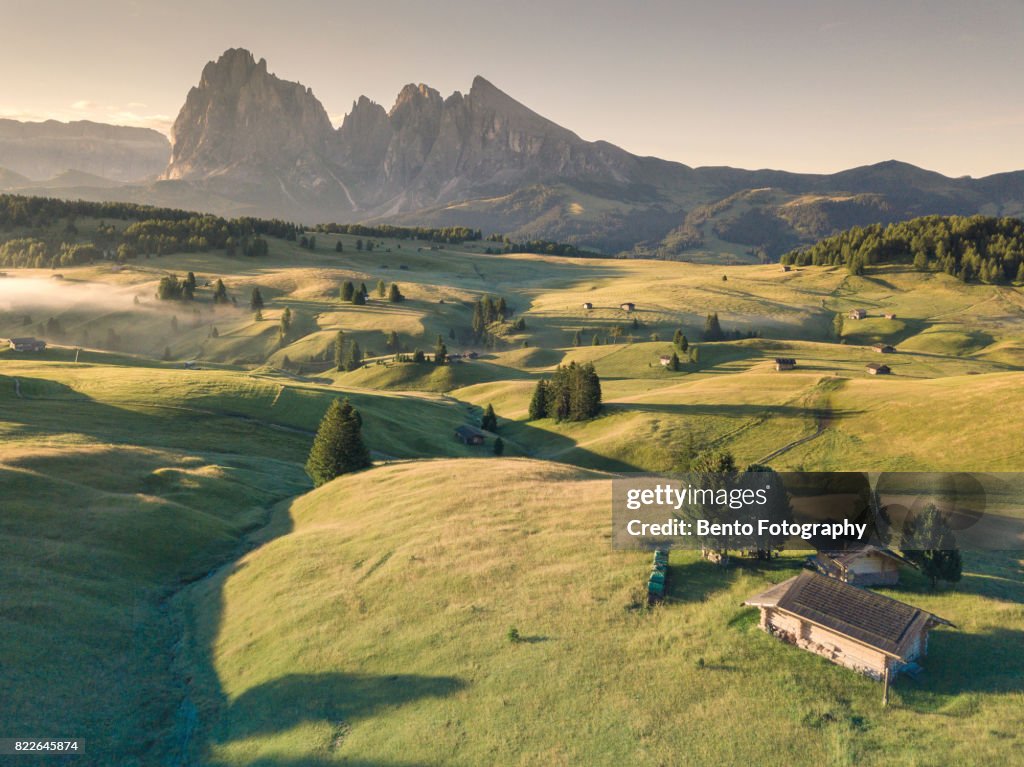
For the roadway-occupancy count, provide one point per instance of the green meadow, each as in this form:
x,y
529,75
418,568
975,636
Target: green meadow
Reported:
x,y
175,592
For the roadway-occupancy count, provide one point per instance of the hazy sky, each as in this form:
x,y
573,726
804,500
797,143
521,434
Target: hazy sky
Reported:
x,y
804,86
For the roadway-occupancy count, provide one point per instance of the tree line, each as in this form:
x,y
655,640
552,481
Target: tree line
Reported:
x,y
451,235
970,248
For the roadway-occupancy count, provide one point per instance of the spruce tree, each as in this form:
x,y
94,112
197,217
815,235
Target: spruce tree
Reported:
x,y
256,300
673,363
489,421
928,541
339,350
539,401
712,328
347,291
394,294
220,293
286,322
382,289
338,447
354,357
499,446
577,339
339,247
440,352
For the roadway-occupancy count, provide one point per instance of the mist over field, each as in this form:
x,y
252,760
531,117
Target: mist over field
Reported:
x,y
59,295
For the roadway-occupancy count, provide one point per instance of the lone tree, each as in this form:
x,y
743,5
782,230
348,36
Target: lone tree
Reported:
x,y
928,541
347,291
394,294
382,289
256,300
339,247
440,352
489,421
286,322
220,293
338,447
499,446
339,350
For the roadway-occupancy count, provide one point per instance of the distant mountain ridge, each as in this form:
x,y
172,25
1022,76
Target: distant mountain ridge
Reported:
x,y
248,142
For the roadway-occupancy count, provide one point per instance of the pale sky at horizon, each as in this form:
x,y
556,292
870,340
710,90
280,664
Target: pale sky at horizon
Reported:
x,y
803,86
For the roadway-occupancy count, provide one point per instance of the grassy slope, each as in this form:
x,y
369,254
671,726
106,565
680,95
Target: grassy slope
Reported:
x,y
374,633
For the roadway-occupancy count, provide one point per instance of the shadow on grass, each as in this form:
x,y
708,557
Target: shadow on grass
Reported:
x,y
698,579
960,662
291,700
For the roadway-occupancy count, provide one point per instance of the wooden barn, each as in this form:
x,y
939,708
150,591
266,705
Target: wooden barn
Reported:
x,y
27,344
587,305
858,314
665,360
852,627
627,306
884,348
876,369
469,435
862,566
785,363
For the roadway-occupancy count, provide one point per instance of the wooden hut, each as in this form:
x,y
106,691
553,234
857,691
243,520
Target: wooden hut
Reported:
x,y
884,348
587,305
785,268
27,344
785,363
469,435
876,369
665,360
890,316
852,627
627,306
858,314
861,566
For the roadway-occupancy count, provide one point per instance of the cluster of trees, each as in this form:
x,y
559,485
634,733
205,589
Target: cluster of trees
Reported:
x,y
968,247
348,355
488,310
170,288
338,447
450,234
572,394
152,231
547,247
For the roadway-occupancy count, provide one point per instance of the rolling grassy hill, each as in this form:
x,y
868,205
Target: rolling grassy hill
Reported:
x,y
365,626
369,629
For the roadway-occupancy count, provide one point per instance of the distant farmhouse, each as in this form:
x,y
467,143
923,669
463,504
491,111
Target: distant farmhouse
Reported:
x,y
858,314
884,349
587,305
469,435
627,306
27,344
785,363
867,632
862,566
876,369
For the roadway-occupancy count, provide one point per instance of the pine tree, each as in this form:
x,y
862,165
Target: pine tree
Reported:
x,y
391,342
339,247
440,352
382,289
339,350
677,337
220,293
684,344
338,447
596,340
359,298
489,421
286,322
499,446
256,300
577,338
215,333
258,317
347,291
394,294
363,290
502,308
673,363
539,401
712,328
354,357
928,541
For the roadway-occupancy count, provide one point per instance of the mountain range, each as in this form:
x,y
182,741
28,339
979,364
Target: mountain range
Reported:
x,y
248,142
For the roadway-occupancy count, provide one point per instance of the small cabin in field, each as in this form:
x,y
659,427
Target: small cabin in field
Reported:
x,y
890,316
665,360
27,344
785,363
472,355
852,627
858,314
469,435
876,369
862,566
627,306
587,305
884,349
786,268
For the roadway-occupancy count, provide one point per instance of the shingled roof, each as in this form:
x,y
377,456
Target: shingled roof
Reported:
x,y
864,616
